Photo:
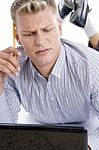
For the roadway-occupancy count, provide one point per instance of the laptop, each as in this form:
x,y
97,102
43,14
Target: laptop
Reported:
x,y
42,137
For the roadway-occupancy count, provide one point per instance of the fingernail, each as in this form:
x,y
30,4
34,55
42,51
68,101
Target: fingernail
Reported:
x,y
18,69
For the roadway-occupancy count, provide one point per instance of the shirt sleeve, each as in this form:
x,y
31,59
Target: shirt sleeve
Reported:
x,y
9,103
93,131
93,140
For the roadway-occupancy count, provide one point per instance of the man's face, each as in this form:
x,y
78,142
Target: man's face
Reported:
x,y
40,36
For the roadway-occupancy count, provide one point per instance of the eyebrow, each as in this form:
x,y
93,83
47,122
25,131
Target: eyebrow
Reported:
x,y
32,30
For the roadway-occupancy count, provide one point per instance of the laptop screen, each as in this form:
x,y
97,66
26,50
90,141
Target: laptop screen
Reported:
x,y
42,137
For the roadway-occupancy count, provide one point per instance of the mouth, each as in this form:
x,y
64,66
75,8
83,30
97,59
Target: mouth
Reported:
x,y
43,51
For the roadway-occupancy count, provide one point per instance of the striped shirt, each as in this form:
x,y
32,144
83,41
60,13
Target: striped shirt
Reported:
x,y
70,95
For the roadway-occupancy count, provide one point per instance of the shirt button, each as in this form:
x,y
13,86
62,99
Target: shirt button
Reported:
x,y
56,109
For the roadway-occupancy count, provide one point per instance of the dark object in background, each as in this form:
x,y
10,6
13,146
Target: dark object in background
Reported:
x,y
42,137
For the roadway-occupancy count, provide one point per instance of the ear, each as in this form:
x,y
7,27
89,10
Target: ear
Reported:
x,y
18,39
15,36
60,25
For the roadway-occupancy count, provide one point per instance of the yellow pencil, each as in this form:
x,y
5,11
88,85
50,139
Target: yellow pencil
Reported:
x,y
14,55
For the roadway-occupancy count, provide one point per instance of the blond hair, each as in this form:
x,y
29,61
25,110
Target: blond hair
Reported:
x,y
30,6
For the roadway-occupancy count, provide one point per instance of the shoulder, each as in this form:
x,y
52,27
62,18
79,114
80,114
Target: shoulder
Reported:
x,y
76,47
80,54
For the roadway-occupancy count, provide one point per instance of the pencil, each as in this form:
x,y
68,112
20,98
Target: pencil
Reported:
x,y
14,55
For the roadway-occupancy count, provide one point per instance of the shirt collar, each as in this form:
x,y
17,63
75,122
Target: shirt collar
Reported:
x,y
32,68
57,69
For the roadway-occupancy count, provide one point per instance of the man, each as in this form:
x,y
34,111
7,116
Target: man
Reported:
x,y
55,80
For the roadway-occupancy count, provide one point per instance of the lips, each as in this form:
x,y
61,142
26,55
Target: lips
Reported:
x,y
41,51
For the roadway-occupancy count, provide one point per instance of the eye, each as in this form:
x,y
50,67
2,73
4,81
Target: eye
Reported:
x,y
29,34
26,34
46,30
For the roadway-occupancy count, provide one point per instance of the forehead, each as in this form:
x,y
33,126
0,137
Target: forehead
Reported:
x,y
42,18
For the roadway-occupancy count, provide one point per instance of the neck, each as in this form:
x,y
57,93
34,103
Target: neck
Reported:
x,y
45,71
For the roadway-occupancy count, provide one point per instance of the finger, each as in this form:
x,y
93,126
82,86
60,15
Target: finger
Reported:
x,y
7,67
5,58
12,50
5,70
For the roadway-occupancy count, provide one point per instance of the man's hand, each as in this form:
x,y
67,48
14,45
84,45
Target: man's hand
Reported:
x,y
9,65
89,147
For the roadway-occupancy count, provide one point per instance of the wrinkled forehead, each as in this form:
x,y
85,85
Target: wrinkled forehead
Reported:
x,y
41,19
41,14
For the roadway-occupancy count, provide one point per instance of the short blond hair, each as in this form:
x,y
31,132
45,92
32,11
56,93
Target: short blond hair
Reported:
x,y
30,6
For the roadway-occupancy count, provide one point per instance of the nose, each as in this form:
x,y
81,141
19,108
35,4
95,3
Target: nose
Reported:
x,y
40,38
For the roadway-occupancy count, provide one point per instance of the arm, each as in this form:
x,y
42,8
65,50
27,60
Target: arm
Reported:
x,y
92,32
85,21
9,98
9,102
94,41
9,106
94,135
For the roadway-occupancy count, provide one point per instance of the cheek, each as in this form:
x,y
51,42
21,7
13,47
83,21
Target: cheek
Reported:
x,y
28,43
56,34
55,38
27,48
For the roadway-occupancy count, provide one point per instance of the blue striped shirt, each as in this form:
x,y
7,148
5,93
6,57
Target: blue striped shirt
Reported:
x,y
70,95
